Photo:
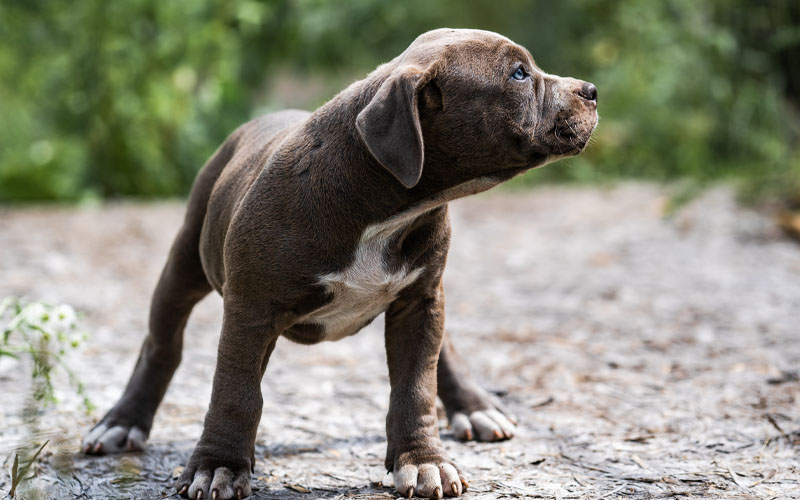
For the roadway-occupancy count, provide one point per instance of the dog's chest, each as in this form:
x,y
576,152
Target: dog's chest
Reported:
x,y
365,288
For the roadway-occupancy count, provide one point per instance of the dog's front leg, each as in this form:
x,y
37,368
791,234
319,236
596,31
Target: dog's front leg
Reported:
x,y
420,465
223,458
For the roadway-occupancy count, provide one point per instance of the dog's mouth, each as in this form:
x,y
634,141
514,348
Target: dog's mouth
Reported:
x,y
571,135
568,136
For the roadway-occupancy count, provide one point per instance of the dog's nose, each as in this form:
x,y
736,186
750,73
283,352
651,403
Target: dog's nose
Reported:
x,y
588,91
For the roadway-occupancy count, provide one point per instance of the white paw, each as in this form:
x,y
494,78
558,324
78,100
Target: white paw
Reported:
x,y
113,439
482,425
429,480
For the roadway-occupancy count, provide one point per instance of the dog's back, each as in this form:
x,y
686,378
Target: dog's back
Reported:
x,y
226,178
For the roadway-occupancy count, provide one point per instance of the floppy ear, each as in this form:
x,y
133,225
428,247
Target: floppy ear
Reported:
x,y
390,128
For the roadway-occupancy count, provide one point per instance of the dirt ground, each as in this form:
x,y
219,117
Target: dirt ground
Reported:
x,y
646,357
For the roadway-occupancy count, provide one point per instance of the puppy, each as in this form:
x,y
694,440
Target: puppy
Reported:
x,y
311,224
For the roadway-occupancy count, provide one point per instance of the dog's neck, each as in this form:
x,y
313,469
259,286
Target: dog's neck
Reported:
x,y
349,169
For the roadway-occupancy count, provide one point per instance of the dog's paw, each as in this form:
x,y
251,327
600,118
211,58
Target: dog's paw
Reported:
x,y
210,480
428,478
109,437
483,425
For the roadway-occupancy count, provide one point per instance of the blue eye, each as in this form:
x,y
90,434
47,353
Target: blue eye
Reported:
x,y
519,74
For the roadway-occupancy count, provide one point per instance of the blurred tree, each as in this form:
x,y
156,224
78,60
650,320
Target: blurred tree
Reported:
x,y
113,98
129,98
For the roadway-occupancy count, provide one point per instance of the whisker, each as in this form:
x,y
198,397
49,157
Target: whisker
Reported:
x,y
571,128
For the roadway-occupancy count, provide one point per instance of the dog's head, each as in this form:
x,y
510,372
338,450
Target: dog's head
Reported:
x,y
471,104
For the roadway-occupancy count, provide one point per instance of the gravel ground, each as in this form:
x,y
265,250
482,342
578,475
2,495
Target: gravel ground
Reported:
x,y
646,357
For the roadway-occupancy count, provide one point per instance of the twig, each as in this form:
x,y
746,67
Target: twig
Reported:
x,y
771,420
639,461
544,403
769,476
640,439
735,478
575,478
642,479
584,466
613,491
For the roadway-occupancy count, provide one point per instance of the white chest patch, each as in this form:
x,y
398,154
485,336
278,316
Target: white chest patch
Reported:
x,y
365,288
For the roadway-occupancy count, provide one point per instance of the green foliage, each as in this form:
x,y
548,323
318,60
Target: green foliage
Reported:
x,y
106,99
113,98
45,333
686,92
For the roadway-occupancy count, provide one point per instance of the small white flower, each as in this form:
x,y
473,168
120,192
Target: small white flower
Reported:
x,y
37,315
76,337
63,317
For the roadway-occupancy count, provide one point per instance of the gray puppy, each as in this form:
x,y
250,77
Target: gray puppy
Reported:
x,y
311,224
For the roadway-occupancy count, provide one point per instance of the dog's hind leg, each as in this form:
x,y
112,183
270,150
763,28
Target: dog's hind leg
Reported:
x,y
472,412
182,284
